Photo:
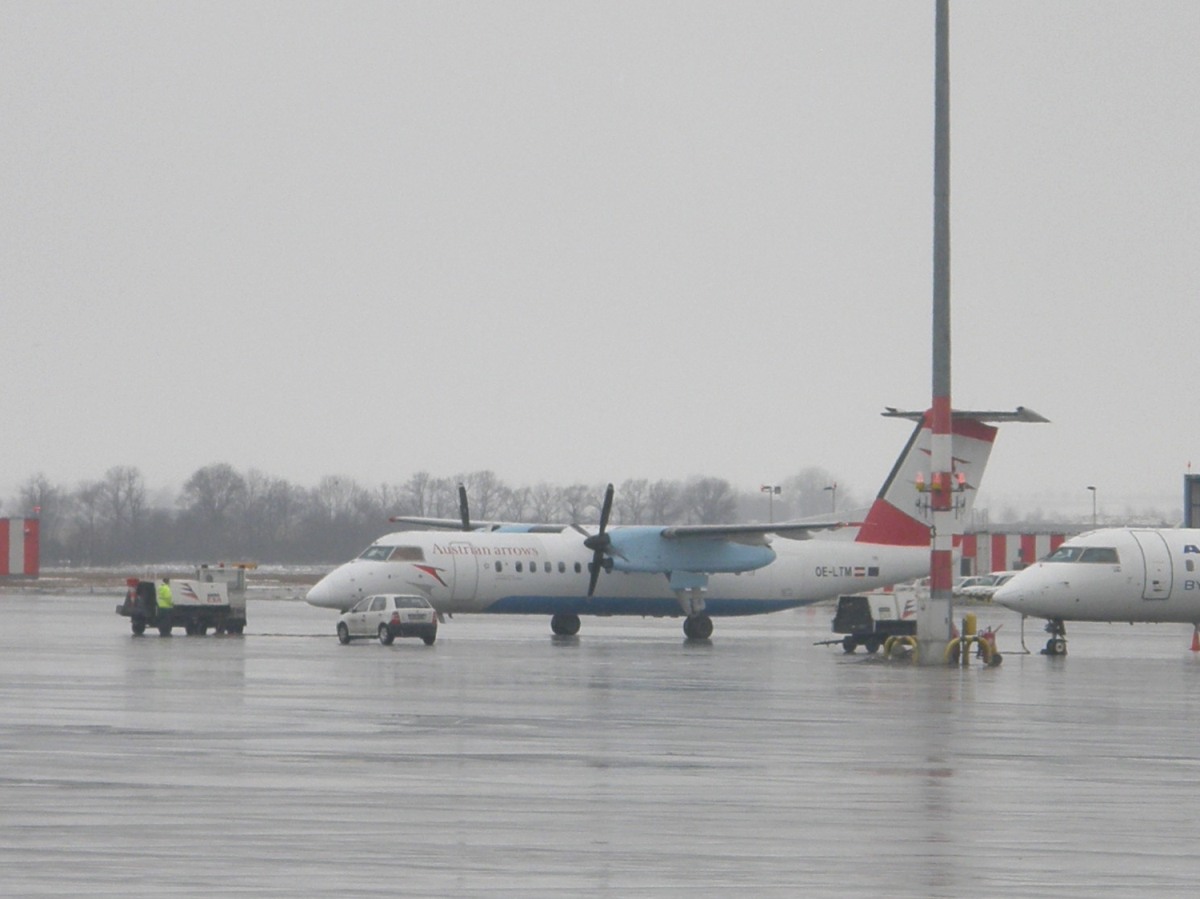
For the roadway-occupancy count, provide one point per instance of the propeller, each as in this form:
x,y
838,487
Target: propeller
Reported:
x,y
600,542
463,510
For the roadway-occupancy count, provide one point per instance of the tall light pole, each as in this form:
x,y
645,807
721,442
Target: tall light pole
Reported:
x,y
772,491
935,613
1093,489
832,488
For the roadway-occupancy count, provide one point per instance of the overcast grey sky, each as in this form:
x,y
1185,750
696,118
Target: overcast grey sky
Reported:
x,y
592,241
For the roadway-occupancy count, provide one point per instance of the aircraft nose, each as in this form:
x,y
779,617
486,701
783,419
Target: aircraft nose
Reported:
x,y
1013,594
329,592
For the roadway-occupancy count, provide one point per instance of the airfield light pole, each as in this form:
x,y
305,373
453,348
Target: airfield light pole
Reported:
x,y
1093,489
832,488
935,614
772,491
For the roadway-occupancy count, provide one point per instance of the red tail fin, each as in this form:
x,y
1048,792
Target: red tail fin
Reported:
x,y
900,515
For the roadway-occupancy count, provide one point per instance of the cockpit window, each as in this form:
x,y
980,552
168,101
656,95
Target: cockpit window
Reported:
x,y
381,553
1065,554
1103,554
407,554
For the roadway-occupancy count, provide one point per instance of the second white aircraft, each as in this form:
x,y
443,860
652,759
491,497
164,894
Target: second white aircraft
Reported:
x,y
1115,574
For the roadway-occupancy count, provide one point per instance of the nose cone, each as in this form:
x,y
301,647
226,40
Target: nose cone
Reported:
x,y
331,592
1015,595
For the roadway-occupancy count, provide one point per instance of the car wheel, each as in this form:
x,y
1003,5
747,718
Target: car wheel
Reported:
x,y
385,636
343,633
429,638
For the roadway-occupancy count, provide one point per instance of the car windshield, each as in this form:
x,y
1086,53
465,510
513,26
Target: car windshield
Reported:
x,y
411,602
1103,554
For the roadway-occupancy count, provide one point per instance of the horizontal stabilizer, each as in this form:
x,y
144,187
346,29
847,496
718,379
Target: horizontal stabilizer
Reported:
x,y
1021,413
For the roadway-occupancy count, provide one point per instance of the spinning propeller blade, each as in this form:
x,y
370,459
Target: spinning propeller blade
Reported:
x,y
600,542
463,510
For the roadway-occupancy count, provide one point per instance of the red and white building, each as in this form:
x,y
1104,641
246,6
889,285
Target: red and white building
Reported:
x,y
985,552
19,551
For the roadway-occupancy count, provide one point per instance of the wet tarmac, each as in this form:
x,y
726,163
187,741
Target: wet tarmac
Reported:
x,y
625,762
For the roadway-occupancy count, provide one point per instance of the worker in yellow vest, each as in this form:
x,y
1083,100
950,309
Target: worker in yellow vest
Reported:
x,y
164,595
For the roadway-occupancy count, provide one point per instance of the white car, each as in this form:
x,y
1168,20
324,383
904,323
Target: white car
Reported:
x,y
388,616
985,585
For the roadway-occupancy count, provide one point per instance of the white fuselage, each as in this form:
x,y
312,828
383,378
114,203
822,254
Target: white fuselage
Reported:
x,y
1119,574
531,573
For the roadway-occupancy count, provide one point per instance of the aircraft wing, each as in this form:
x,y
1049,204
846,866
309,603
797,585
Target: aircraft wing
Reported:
x,y
748,533
455,524
448,524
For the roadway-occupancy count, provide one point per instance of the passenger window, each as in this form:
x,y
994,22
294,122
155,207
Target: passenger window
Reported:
x,y
578,568
547,568
562,567
1190,565
498,567
519,569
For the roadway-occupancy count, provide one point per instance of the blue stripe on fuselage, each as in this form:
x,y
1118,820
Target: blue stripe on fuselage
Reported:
x,y
632,605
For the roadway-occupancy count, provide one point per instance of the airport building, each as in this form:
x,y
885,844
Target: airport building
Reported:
x,y
984,552
19,551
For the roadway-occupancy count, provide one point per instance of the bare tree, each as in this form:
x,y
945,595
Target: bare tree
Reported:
x,y
546,502
87,541
483,491
710,501
46,501
213,493
662,502
814,491
514,504
417,495
632,501
576,501
444,497
123,502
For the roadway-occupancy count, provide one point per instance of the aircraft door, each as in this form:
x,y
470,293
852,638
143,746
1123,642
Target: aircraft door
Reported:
x,y
466,571
1156,558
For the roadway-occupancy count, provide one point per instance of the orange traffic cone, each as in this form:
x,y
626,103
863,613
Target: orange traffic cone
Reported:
x,y
1196,639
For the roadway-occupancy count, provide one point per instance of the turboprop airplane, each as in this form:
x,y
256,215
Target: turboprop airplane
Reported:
x,y
696,571
1115,574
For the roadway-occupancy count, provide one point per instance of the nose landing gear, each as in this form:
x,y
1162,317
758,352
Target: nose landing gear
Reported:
x,y
1057,644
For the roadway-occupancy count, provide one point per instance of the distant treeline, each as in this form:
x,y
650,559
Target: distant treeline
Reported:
x,y
221,514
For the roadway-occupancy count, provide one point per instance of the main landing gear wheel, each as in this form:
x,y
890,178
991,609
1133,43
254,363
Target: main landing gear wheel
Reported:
x,y
1057,644
565,625
697,627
